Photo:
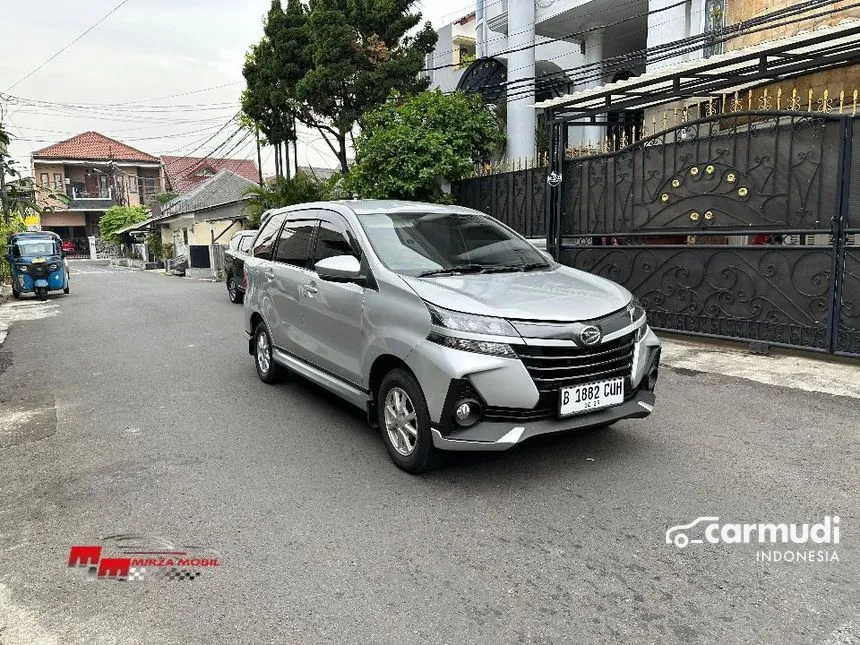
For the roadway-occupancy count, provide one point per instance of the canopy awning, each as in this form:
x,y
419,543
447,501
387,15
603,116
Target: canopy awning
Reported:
x,y
136,227
734,71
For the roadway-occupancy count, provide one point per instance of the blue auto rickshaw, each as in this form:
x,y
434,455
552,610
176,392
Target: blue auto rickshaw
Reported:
x,y
38,264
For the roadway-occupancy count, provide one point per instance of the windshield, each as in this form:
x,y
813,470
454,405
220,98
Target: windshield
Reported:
x,y
29,248
439,243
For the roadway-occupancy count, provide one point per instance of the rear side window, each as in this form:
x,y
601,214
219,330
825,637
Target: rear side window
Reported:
x,y
267,237
294,244
332,240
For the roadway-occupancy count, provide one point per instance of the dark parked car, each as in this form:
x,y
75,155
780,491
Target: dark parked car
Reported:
x,y
234,264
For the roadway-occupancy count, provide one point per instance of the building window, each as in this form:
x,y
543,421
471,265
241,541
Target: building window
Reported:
x,y
44,180
58,182
715,20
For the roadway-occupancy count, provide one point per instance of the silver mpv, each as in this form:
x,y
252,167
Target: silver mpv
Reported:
x,y
447,327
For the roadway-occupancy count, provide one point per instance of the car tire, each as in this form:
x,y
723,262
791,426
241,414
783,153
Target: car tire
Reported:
x,y
66,290
410,445
15,293
233,290
42,293
267,369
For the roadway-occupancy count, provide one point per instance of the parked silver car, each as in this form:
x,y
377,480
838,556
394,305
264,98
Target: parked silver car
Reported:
x,y
448,328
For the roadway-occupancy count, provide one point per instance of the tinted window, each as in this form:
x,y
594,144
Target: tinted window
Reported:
x,y
268,235
234,241
245,243
331,241
295,242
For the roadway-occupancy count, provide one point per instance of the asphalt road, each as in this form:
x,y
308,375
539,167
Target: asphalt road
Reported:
x,y
132,406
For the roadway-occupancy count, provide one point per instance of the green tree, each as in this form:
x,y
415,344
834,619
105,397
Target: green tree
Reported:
x,y
118,217
17,200
329,61
410,145
282,192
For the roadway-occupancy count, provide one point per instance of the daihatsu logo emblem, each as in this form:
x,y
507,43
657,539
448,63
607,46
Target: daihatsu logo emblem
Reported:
x,y
590,335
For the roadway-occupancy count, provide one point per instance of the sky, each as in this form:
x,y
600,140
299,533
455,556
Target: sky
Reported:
x,y
138,59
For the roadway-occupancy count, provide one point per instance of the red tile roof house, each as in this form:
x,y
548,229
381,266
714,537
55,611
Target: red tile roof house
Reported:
x,y
181,174
95,172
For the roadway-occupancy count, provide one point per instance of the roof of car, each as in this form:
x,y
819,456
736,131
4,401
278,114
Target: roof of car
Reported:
x,y
36,234
373,206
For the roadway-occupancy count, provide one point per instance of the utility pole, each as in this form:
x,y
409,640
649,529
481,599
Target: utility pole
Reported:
x,y
295,146
259,159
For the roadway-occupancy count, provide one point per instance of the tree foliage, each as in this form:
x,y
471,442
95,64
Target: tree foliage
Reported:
x,y
17,200
118,217
328,61
282,192
410,145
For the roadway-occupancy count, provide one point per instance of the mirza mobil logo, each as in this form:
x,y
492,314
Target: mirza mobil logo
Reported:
x,y
780,542
132,557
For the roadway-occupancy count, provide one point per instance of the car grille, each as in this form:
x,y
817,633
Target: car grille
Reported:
x,y
38,270
553,367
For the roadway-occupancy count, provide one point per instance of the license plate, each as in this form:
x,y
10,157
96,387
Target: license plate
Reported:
x,y
589,397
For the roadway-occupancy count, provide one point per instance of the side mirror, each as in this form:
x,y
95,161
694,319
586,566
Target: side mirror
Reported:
x,y
339,268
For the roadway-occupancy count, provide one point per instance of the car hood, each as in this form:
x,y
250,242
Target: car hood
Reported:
x,y
562,294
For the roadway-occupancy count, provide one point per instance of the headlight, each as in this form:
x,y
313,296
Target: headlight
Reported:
x,y
478,346
635,309
53,267
23,268
456,321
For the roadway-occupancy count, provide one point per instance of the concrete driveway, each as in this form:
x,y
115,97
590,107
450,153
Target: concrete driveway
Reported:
x,y
131,406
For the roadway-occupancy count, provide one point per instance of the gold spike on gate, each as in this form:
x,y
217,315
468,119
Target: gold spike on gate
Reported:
x,y
841,101
724,103
795,100
779,99
633,139
749,100
809,103
854,109
665,119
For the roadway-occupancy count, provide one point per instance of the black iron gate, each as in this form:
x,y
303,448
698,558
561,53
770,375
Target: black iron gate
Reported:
x,y
744,225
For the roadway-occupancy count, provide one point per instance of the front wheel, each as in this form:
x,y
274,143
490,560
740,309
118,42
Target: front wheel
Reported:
x,y
267,369
15,293
42,292
233,289
66,289
405,422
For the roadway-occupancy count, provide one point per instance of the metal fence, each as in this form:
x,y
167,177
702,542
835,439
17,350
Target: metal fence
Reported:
x,y
741,225
516,197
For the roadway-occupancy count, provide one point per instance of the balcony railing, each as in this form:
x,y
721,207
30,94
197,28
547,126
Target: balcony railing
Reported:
x,y
82,193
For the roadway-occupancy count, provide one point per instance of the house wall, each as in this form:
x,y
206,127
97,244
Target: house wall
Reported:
x,y
52,169
204,230
740,10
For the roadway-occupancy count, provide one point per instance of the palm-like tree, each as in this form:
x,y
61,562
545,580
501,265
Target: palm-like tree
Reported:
x,y
282,192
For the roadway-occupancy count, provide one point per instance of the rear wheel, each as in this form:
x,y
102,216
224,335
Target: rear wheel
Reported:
x,y
15,293
405,422
267,369
233,289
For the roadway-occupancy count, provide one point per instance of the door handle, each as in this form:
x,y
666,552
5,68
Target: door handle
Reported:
x,y
310,290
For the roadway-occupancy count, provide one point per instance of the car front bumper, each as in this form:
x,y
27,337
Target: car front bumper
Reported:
x,y
490,435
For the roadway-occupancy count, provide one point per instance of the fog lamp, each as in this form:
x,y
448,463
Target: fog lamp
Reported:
x,y
467,412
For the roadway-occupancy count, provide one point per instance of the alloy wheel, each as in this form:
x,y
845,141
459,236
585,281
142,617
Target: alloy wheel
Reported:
x,y
400,421
264,356
231,287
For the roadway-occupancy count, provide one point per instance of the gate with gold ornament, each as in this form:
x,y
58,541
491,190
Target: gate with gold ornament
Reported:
x,y
740,224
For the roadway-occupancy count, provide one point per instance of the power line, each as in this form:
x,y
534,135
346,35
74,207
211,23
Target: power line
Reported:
x,y
595,71
53,56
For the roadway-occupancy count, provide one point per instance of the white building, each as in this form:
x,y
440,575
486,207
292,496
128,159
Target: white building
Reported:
x,y
584,43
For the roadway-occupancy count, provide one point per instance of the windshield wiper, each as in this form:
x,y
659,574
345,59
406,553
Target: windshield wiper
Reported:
x,y
516,267
460,268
